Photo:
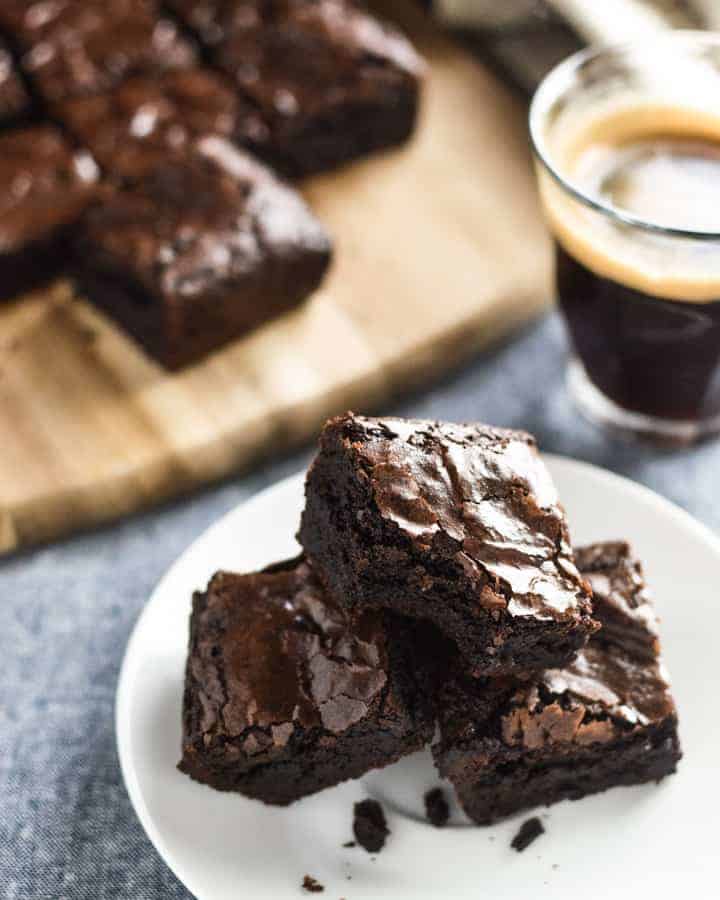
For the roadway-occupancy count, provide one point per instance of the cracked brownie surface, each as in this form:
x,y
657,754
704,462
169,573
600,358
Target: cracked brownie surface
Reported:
x,y
456,524
286,694
326,81
145,122
74,49
606,719
199,251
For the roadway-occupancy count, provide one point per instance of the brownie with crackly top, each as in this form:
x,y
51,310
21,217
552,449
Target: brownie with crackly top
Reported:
x,y
145,122
605,720
621,598
327,81
285,694
459,525
198,251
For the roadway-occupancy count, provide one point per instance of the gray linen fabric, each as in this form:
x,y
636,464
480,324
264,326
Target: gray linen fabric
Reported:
x,y
67,829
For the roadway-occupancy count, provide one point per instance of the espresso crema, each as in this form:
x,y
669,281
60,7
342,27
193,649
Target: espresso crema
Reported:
x,y
656,164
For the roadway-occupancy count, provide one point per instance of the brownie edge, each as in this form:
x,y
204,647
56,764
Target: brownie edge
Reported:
x,y
607,719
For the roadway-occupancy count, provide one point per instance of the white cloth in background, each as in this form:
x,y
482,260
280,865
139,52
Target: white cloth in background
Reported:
x,y
528,37
595,21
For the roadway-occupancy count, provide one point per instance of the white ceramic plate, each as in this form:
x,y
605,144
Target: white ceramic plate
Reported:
x,y
658,841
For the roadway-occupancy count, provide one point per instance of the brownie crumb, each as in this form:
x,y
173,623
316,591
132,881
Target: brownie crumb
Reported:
x,y
311,885
529,831
369,825
436,807
349,844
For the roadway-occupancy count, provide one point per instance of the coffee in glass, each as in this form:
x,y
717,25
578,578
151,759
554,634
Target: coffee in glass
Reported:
x,y
627,144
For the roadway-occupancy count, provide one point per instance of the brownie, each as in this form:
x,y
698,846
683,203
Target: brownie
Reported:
x,y
14,99
80,47
44,187
285,695
456,524
329,82
143,122
607,719
199,251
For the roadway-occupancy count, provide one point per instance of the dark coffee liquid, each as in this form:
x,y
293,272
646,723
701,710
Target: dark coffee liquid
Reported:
x,y
647,354
654,353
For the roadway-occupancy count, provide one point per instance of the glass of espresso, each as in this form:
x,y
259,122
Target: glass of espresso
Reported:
x,y
627,149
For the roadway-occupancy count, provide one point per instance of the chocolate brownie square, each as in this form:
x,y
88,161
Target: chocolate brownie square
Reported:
x,y
44,187
142,123
80,47
199,251
328,81
607,719
456,524
285,695
14,99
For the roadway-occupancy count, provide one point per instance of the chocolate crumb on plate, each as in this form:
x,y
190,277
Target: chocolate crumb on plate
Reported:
x,y
436,807
349,844
530,830
369,825
312,885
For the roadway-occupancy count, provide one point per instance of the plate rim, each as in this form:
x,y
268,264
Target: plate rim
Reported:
x,y
703,532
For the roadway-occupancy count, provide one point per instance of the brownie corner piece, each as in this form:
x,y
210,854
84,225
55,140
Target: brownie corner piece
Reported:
x,y
199,251
455,524
605,720
328,82
285,695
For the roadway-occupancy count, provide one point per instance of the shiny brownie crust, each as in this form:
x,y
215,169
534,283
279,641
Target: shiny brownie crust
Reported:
x,y
605,720
199,251
328,81
76,48
146,121
285,695
455,524
14,99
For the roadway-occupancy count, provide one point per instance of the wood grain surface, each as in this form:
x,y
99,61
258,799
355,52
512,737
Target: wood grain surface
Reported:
x,y
440,249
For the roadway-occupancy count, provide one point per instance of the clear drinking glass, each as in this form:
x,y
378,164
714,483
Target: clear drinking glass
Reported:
x,y
627,151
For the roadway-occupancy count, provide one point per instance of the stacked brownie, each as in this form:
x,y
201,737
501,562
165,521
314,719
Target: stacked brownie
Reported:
x,y
186,247
437,585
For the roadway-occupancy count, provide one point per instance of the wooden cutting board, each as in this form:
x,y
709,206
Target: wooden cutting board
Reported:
x,y
439,250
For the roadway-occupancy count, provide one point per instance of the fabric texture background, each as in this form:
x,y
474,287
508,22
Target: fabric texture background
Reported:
x,y
67,830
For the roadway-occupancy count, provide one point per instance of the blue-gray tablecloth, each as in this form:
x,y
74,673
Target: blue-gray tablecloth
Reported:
x,y
67,829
